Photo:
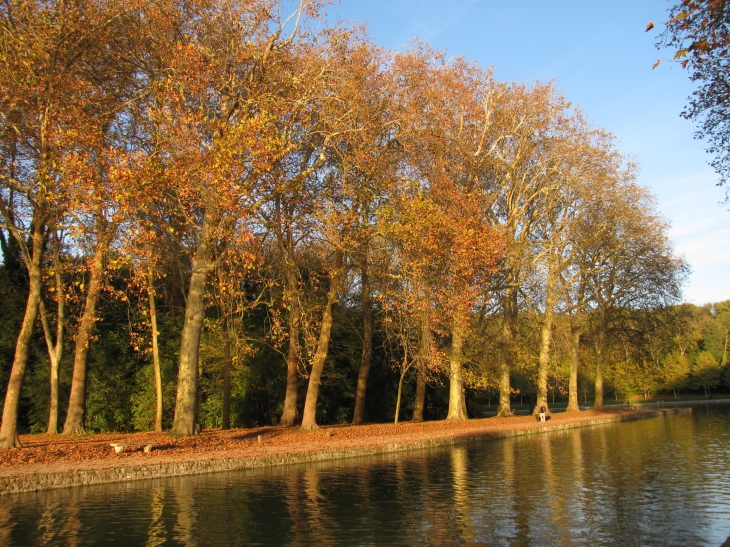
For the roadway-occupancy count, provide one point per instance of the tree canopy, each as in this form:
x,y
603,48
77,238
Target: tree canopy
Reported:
x,y
247,217
698,31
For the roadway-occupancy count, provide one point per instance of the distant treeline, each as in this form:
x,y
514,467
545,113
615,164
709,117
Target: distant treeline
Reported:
x,y
214,215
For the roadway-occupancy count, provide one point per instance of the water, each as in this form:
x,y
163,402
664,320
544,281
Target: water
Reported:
x,y
661,481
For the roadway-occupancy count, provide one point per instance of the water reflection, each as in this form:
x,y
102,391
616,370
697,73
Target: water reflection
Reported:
x,y
186,524
156,533
664,481
462,500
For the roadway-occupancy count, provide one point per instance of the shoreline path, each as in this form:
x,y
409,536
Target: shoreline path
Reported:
x,y
47,462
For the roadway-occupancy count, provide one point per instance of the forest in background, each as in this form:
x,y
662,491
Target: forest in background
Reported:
x,y
216,215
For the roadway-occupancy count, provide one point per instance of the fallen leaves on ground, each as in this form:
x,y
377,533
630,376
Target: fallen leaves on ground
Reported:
x,y
54,449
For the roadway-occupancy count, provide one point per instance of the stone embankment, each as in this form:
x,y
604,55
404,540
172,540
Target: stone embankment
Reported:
x,y
286,446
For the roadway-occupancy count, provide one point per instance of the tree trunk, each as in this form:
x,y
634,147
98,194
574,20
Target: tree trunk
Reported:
x,y
545,340
423,357
55,349
575,332
155,349
600,362
310,404
55,352
508,342
227,362
367,346
8,428
187,379
290,414
420,403
457,402
74,424
404,371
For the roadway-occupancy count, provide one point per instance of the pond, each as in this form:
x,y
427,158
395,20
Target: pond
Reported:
x,y
659,481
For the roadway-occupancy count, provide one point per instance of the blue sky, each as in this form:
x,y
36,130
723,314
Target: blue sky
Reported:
x,y
601,59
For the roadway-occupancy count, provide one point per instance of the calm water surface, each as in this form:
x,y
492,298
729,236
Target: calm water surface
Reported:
x,y
661,481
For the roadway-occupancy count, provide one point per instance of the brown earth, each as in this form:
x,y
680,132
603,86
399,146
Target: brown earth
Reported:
x,y
44,454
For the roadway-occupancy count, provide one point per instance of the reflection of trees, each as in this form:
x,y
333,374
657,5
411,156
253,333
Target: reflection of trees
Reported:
x,y
186,525
322,526
71,531
294,507
556,502
414,497
366,505
520,484
156,531
576,464
460,486
46,524
6,523
437,506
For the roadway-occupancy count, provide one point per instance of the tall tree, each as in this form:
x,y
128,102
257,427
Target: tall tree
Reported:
x,y
211,139
59,74
55,346
360,142
536,128
634,264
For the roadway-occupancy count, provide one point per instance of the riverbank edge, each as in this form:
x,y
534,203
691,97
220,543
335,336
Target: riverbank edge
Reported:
x,y
17,484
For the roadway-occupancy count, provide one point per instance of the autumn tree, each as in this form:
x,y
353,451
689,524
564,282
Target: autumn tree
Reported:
x,y
59,81
442,203
586,159
634,264
575,243
359,152
54,344
213,133
332,118
698,31
530,151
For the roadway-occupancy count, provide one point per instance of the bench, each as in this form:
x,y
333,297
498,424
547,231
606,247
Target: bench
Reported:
x,y
118,447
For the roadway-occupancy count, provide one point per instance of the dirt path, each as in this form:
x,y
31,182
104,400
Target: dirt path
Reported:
x,y
56,461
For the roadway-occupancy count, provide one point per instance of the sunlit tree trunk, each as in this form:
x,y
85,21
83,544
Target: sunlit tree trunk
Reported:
x,y
310,404
187,380
420,403
600,361
403,371
55,348
8,428
423,359
227,365
290,414
545,341
155,349
457,401
507,357
74,424
367,345
575,333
